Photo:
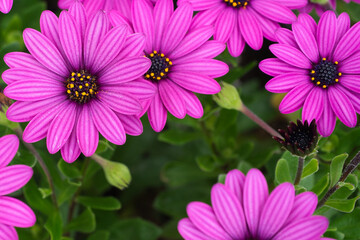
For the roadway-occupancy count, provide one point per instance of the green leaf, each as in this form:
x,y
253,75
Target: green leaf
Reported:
x,y
84,223
282,172
45,192
102,203
336,168
348,224
103,235
206,163
135,229
321,185
178,137
347,185
35,199
310,168
342,205
68,170
54,226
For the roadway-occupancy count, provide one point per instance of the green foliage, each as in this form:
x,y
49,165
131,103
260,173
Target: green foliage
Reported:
x,y
336,168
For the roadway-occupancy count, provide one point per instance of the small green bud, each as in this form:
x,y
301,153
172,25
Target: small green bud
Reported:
x,y
228,97
319,1
117,174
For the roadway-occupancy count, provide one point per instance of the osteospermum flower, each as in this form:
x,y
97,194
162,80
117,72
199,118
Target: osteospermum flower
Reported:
x,y
13,213
243,209
318,65
181,61
77,81
240,21
5,6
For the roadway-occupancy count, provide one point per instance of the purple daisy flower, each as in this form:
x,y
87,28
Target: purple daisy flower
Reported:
x,y
73,86
181,59
5,6
240,21
13,213
243,209
319,67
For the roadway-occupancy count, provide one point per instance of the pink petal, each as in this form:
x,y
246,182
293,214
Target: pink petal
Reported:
x,y
34,90
235,181
132,124
343,25
306,41
133,46
195,82
61,128
25,111
276,210
308,22
228,211
45,51
86,132
71,43
285,36
162,12
125,70
275,67
274,11
351,82
8,233
342,106
207,17
351,65
171,97
107,123
304,206
286,82
15,213
255,195
109,47
203,217
39,125
210,49
225,24
192,103
9,146
95,31
293,4
5,6
268,26
189,232
348,44
13,178
291,55
353,97
143,22
18,74
326,33
236,42
327,121
210,67
294,100
78,12
252,34
192,41
22,60
305,229
94,6
117,19
157,114
314,104
71,151
120,102
177,28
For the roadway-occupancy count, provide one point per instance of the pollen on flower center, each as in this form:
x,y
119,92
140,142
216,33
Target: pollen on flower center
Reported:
x,y
81,86
325,73
160,66
237,3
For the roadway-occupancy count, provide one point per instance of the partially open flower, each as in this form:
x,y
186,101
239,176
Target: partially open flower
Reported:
x,y
300,139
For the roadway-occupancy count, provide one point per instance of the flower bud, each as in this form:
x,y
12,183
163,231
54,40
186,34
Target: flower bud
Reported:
x,y
228,97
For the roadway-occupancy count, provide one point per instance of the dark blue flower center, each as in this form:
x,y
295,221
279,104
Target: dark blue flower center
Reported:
x,y
325,73
160,66
81,86
237,3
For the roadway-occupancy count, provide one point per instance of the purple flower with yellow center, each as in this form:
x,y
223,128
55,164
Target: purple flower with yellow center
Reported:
x,y
243,209
13,213
181,60
5,6
244,21
80,78
319,66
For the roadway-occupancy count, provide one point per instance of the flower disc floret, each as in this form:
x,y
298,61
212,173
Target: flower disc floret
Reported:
x,y
81,86
325,73
160,66
237,3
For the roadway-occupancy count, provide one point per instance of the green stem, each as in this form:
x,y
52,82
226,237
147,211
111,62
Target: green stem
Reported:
x,y
299,170
19,132
259,121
